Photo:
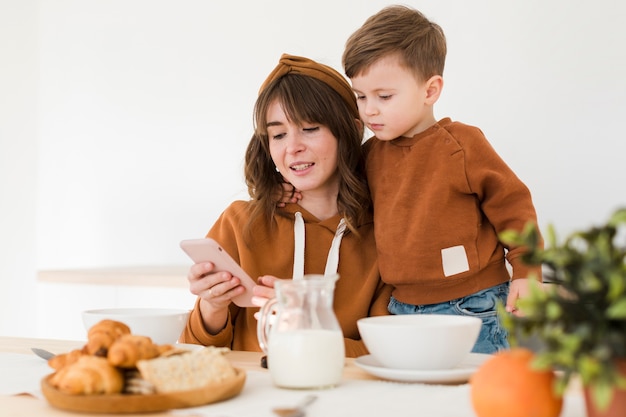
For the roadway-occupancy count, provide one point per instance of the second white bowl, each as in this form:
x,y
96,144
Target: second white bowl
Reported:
x,y
419,341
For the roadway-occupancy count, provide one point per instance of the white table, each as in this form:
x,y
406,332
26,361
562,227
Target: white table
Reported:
x,y
359,394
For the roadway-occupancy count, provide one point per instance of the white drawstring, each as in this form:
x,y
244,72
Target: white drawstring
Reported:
x,y
298,252
332,261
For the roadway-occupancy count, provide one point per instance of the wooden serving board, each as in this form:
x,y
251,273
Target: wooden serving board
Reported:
x,y
144,403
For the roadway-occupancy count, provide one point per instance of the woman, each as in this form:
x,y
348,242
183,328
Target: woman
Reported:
x,y
307,133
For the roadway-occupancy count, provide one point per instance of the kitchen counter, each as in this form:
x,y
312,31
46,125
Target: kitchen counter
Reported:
x,y
155,276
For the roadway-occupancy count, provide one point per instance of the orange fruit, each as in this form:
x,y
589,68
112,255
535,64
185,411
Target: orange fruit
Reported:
x,y
505,385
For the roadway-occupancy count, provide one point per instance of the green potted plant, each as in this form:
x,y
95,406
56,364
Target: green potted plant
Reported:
x,y
579,318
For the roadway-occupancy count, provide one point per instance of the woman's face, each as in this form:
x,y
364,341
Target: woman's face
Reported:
x,y
306,155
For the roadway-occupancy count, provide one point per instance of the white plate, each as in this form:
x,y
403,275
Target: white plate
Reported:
x,y
460,373
189,346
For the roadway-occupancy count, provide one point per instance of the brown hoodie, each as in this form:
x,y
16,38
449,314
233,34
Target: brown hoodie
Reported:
x,y
359,292
440,200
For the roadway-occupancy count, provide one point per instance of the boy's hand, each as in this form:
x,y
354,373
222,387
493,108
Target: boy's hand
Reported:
x,y
517,289
287,194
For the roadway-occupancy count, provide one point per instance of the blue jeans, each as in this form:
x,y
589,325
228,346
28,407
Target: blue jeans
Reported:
x,y
482,304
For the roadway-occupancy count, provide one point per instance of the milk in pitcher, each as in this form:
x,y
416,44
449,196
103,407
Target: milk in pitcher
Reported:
x,y
309,358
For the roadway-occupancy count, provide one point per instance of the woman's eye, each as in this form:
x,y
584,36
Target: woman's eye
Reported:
x,y
311,129
278,136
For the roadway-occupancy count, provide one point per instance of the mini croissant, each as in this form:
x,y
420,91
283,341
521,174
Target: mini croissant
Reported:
x,y
130,348
101,336
88,375
59,361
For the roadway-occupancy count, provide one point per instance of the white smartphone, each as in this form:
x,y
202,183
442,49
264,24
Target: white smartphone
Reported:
x,y
208,250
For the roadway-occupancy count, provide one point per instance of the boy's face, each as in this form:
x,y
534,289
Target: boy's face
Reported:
x,y
392,102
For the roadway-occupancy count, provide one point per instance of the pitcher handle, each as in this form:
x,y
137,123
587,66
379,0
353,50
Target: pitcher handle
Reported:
x,y
265,322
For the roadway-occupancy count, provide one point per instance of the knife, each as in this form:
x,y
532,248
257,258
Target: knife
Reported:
x,y
42,353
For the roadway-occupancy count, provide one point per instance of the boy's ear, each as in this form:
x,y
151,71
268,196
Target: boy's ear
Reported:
x,y
434,85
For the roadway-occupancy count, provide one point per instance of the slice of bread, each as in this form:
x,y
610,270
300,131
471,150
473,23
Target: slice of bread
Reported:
x,y
187,371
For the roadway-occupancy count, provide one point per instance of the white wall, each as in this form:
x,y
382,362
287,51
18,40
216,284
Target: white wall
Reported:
x,y
18,164
124,122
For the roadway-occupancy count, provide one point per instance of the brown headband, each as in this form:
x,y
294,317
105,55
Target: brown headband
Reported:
x,y
300,65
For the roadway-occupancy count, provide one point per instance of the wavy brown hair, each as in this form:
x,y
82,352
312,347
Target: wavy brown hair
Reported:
x,y
307,100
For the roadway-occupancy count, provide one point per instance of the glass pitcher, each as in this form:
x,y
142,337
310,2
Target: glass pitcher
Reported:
x,y
303,341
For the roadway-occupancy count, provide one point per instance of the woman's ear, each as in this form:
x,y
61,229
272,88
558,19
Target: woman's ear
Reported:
x,y
434,85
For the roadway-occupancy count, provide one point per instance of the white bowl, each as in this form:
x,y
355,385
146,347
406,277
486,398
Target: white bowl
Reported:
x,y
162,325
419,341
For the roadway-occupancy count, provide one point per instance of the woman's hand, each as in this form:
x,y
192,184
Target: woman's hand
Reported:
x,y
216,291
263,291
216,288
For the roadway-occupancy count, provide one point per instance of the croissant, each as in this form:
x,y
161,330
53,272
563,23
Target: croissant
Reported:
x,y
130,348
102,335
59,361
88,375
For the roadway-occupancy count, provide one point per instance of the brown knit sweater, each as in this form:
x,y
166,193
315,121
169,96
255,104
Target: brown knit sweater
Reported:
x,y
440,200
359,292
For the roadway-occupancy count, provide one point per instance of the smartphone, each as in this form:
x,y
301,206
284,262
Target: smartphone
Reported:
x,y
208,250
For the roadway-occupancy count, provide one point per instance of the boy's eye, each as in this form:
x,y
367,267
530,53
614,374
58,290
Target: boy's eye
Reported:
x,y
359,97
385,96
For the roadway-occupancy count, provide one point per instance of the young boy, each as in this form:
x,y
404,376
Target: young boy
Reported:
x,y
441,193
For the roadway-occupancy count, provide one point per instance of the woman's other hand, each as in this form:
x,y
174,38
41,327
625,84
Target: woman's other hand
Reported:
x,y
263,291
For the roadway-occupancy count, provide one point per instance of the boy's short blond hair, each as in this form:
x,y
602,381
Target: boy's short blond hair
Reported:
x,y
419,43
